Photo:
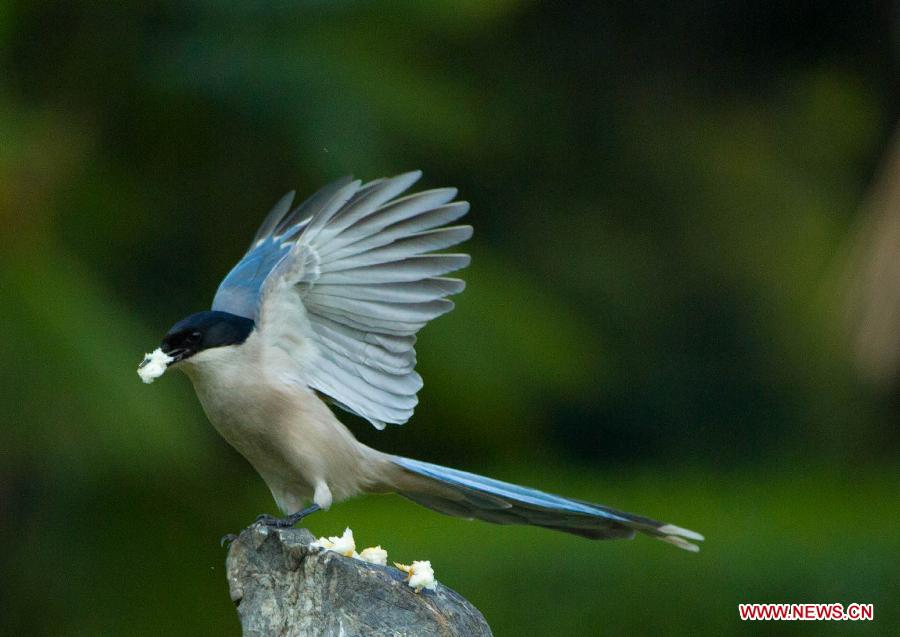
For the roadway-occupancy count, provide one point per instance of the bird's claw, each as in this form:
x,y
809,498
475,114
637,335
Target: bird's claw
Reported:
x,y
228,538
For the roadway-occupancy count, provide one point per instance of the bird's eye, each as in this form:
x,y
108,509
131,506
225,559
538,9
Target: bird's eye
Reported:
x,y
193,337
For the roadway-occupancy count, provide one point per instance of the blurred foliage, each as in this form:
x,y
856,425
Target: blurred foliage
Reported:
x,y
663,202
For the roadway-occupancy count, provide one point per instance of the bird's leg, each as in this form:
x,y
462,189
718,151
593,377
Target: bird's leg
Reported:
x,y
271,520
290,520
299,515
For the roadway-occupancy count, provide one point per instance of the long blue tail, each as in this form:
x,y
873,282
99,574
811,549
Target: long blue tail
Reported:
x,y
467,495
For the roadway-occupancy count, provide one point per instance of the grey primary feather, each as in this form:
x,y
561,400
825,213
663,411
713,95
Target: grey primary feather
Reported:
x,y
362,262
403,291
468,495
278,212
411,245
377,232
413,268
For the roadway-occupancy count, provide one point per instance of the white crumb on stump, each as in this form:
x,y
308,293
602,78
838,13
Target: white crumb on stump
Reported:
x,y
345,544
373,555
419,574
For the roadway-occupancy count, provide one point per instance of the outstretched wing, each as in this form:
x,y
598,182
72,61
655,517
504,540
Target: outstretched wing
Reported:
x,y
341,284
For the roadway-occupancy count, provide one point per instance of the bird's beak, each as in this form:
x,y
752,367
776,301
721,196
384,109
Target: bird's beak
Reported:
x,y
176,355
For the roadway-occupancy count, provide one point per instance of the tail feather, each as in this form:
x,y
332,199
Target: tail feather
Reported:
x,y
467,495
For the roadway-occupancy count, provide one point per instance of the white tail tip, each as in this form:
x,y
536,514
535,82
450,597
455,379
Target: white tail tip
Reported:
x,y
680,542
671,529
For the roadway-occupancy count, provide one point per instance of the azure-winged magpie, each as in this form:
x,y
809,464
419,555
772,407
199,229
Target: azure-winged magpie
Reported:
x,y
325,305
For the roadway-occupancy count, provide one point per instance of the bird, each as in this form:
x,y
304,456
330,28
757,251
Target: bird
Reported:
x,y
322,311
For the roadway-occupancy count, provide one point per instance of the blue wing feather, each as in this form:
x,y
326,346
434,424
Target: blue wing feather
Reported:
x,y
239,291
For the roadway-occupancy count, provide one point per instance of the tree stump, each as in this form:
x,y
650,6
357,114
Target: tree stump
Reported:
x,y
283,587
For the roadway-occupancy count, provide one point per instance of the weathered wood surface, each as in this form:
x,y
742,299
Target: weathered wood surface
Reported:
x,y
282,587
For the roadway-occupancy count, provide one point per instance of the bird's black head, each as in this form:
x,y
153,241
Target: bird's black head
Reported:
x,y
205,330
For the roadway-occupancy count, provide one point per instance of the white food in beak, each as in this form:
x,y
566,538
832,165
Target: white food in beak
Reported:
x,y
154,365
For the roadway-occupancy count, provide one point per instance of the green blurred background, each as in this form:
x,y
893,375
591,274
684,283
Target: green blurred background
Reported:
x,y
669,202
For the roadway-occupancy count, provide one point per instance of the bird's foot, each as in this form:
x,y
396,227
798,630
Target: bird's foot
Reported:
x,y
285,522
271,520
